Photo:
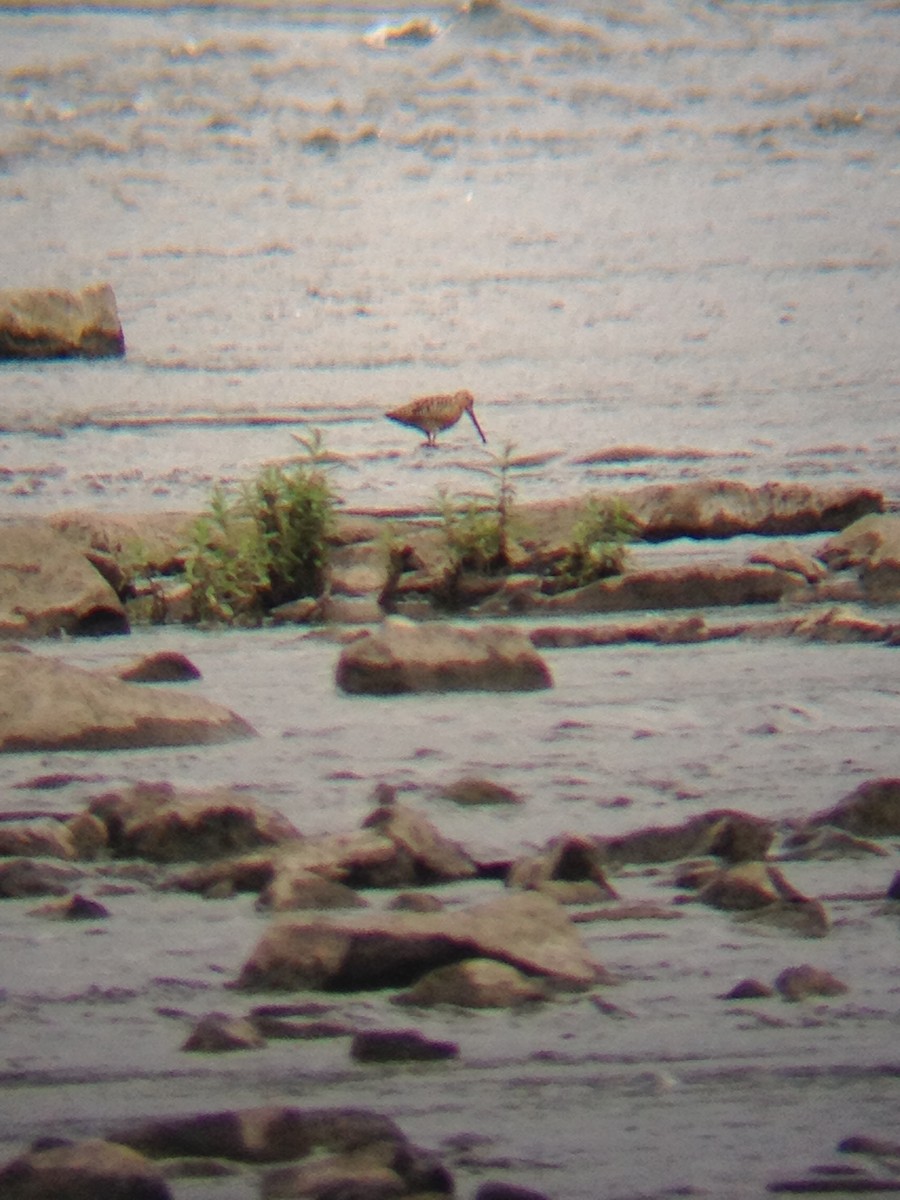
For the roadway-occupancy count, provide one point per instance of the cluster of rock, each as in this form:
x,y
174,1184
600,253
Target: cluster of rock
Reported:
x,y
76,573
522,946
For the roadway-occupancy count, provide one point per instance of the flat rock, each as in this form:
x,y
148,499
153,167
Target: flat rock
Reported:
x,y
435,656
391,949
48,587
39,323
871,545
46,704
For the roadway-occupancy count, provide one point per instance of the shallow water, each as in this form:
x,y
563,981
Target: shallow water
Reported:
x,y
658,242
669,230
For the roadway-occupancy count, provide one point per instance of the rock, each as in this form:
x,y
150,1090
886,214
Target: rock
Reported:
x,y
146,543
21,877
47,587
424,854
893,892
305,889
390,949
153,821
438,657
74,908
872,810
787,557
475,983
665,631
42,838
749,989
761,892
216,1032
495,1190
261,1135
166,666
472,791
720,509
82,1171
279,1028
799,983
733,836
399,1045
842,624
88,835
45,704
376,1172
569,860
38,323
872,546
827,844
422,902
690,585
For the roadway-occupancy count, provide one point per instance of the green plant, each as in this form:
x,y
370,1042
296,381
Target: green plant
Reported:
x,y
599,545
264,547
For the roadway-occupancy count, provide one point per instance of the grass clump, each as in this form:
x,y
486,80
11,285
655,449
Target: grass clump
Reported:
x,y
266,546
599,546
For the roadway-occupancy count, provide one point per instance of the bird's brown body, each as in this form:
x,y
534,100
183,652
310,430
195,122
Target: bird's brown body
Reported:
x,y
432,414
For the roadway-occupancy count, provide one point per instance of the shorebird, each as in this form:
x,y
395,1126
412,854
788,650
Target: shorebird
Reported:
x,y
432,414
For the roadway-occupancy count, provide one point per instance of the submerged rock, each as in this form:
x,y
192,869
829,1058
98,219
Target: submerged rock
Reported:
x,y
38,323
399,1045
437,657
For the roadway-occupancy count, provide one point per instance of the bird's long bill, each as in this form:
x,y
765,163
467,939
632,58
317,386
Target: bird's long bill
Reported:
x,y
477,426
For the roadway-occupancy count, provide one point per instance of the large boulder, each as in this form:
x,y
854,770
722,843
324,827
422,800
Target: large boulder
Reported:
x,y
46,704
393,949
83,1171
438,657
48,587
155,822
38,323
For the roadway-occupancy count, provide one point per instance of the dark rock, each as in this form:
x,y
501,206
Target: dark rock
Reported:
x,y
496,1190
799,983
893,892
82,1171
38,323
565,860
827,844
217,1032
75,908
399,1045
422,902
749,989
437,657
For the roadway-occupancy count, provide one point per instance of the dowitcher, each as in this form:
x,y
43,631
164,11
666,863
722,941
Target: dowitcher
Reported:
x,y
432,414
